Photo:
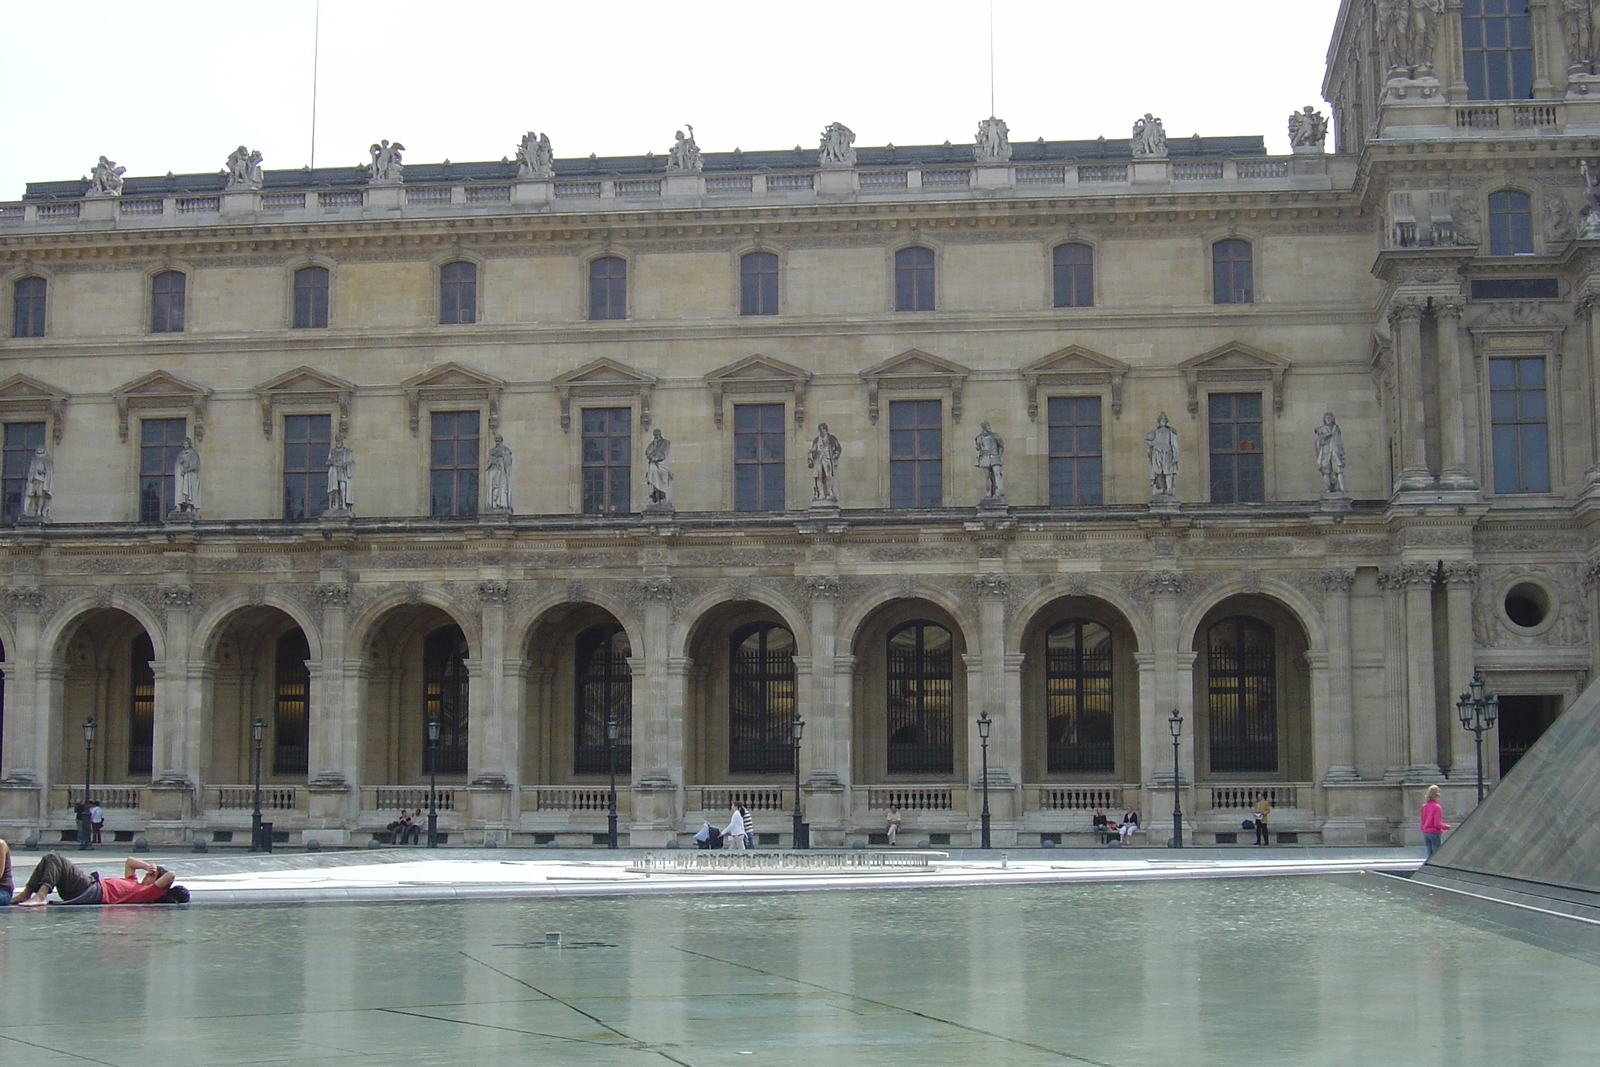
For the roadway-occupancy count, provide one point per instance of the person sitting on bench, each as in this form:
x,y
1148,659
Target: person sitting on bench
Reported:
x,y
1130,824
1101,826
141,883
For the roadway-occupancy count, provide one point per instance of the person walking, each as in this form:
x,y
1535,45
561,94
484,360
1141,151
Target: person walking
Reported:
x,y
1431,821
733,835
749,828
1262,810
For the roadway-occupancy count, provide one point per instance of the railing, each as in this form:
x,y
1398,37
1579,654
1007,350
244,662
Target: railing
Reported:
x,y
1041,175
243,798
946,179
1522,116
141,207
878,181
1197,172
1102,172
111,797
1243,797
725,186
1263,168
756,798
577,190
488,194
639,189
784,862
13,211
428,194
1079,798
789,183
198,205
283,201
1525,116
68,210
341,198
571,798
391,798
911,798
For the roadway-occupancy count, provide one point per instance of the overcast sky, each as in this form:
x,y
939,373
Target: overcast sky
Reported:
x,y
177,85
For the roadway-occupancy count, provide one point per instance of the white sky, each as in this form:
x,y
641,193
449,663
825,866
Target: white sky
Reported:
x,y
175,86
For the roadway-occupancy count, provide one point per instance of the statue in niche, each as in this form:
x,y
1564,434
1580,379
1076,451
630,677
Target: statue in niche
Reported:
x,y
1557,213
1589,224
1408,29
341,472
244,169
497,478
1329,445
186,480
991,448
1577,26
534,158
823,462
684,153
838,146
36,494
1161,445
385,168
1308,128
1149,138
105,179
656,475
993,142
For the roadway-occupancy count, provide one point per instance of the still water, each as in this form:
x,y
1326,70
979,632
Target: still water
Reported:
x,y
1187,973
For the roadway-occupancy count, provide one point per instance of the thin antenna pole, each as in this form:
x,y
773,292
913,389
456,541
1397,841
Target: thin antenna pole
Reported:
x,y
991,58
316,49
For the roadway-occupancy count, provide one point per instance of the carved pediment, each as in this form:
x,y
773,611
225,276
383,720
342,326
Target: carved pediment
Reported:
x,y
1235,363
23,395
162,390
915,369
757,375
454,383
604,379
1074,367
305,387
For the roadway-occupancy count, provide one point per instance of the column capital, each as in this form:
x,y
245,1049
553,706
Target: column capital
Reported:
x,y
1337,579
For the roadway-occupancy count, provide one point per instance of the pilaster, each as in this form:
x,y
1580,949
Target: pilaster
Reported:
x,y
1334,698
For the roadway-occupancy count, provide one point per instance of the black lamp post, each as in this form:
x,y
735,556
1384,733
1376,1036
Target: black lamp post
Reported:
x,y
85,822
797,727
985,724
611,762
258,731
1478,711
433,783
1175,724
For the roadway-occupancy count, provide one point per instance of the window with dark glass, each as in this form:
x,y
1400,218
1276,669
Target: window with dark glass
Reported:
x,y
291,717
1074,276
1242,686
1232,272
913,279
920,707
758,284
141,706
1077,678
458,293
311,297
761,700
1237,463
1497,49
306,441
1075,459
453,464
444,690
1510,223
27,307
167,295
607,460
608,288
21,438
916,454
603,688
1519,425
758,440
160,441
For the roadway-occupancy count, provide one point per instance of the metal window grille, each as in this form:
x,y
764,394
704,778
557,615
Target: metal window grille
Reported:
x,y
761,700
920,706
1079,731
306,442
291,715
1242,683
603,685
444,684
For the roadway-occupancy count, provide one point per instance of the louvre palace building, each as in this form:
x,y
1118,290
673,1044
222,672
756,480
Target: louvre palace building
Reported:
x,y
1058,474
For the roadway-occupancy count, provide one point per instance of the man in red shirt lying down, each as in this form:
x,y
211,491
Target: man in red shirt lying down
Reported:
x,y
141,883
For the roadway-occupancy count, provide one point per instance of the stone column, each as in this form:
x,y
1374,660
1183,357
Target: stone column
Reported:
x,y
493,743
25,775
1422,721
985,678
1453,473
1167,689
825,747
1584,310
1338,713
659,705
333,720
180,713
1460,577
1405,320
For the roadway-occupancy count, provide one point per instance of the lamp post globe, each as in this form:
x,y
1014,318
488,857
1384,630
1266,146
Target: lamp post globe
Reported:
x,y
798,837
985,724
258,733
1175,724
433,783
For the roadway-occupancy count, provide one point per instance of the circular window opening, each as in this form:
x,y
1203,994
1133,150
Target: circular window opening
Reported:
x,y
1527,605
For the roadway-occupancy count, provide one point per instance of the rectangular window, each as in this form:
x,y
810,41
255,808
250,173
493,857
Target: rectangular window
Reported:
x,y
913,279
758,284
458,293
1237,466
1075,460
453,464
758,438
1497,49
160,441
306,440
1074,276
1233,272
608,288
607,460
310,298
916,454
21,438
168,295
1519,425
1510,223
27,308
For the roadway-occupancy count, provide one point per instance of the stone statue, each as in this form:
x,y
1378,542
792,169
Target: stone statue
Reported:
x,y
1577,26
186,480
1589,224
534,158
823,462
1408,29
1308,128
991,447
1149,138
656,475
684,153
993,143
244,169
385,168
341,471
106,178
497,478
838,146
36,494
1329,444
1161,445
1557,213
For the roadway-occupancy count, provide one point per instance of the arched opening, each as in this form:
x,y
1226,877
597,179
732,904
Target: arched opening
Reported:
x,y
1080,688
259,670
1252,692
742,696
910,692
107,674
580,675
417,671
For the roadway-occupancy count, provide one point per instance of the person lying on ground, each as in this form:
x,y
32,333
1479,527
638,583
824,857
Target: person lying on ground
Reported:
x,y
141,883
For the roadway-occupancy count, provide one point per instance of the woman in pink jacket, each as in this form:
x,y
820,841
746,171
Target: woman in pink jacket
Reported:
x,y
1432,821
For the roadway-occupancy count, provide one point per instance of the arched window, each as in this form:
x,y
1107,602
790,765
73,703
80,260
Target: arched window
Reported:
x,y
444,684
142,706
1232,272
603,687
291,715
1242,693
1074,276
1510,223
168,292
920,711
913,279
1497,49
758,284
27,307
608,288
311,298
1078,725
458,293
761,699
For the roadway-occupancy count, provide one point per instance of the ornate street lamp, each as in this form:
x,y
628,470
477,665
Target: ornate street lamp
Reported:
x,y
611,762
985,724
433,783
797,726
1478,711
85,826
1175,724
258,731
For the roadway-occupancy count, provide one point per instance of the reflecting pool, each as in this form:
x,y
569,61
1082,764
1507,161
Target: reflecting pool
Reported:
x,y
1266,972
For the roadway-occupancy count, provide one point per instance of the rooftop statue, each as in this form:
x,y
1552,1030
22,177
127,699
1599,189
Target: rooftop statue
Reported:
x,y
385,167
244,168
838,146
1308,128
106,178
534,158
1408,29
1577,26
684,153
1149,139
993,142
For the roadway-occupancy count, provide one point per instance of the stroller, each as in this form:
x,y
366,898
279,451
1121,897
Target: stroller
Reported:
x,y
708,837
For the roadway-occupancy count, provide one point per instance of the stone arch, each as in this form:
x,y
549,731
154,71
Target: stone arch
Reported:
x,y
107,659
257,660
693,616
581,658
905,733
210,626
418,660
737,729
372,616
1026,613
526,619
1306,614
852,619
